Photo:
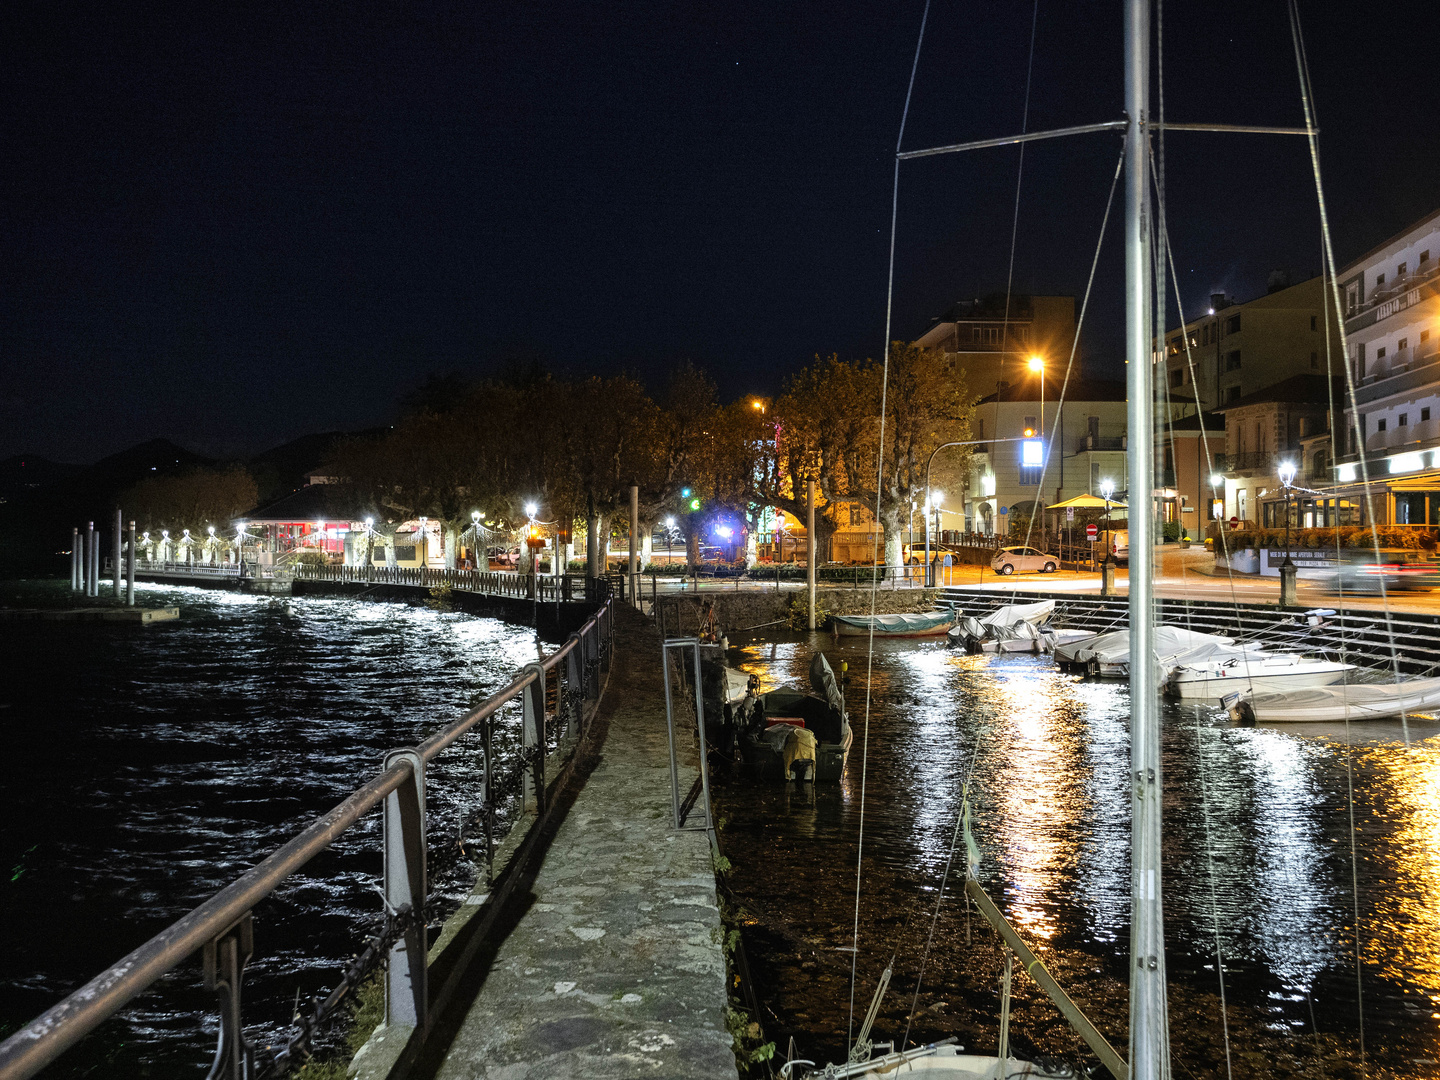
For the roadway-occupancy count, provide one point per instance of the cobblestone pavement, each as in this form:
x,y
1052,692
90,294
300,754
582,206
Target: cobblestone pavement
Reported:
x,y
612,964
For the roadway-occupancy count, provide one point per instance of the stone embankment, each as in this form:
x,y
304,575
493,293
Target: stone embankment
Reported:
x,y
610,962
734,611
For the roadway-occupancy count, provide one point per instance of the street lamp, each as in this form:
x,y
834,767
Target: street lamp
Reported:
x,y
1286,473
1037,363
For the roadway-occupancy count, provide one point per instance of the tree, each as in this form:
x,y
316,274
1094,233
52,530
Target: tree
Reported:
x,y
831,429
193,500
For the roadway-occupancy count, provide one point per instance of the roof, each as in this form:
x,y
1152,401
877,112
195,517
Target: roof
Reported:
x,y
1077,390
1296,390
1213,422
314,502
1358,263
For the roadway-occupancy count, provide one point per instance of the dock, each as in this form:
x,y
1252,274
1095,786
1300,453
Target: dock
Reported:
x,y
91,614
612,964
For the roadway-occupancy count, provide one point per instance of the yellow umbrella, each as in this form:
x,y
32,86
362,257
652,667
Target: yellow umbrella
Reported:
x,y
1087,502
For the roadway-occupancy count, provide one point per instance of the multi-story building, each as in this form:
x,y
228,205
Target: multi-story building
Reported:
x,y
993,339
1391,297
1238,349
1284,424
1085,438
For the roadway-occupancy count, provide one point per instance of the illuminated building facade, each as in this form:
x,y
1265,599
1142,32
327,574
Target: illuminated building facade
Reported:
x,y
1391,299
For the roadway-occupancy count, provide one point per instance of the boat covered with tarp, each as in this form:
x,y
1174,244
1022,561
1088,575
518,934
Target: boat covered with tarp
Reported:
x,y
928,624
1227,671
1336,704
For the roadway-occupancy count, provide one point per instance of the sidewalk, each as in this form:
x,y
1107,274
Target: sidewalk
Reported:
x,y
612,964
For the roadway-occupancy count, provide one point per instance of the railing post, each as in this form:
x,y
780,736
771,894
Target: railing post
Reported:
x,y
406,999
224,960
533,741
575,683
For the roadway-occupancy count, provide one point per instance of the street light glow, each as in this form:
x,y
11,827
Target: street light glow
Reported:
x,y
1216,480
1036,363
758,405
670,523
530,509
1107,489
1286,472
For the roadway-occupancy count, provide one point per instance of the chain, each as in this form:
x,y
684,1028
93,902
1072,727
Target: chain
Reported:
x,y
299,1046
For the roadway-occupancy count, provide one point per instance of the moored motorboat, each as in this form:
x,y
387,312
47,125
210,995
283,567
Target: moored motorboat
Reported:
x,y
929,624
790,732
1219,675
1335,704
1108,654
1009,628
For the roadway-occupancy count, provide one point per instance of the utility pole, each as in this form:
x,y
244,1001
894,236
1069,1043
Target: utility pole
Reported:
x,y
810,547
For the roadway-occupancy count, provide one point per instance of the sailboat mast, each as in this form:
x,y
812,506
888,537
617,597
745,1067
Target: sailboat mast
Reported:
x,y
1149,1033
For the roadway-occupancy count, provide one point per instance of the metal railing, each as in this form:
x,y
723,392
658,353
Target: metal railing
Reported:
x,y
548,588
220,929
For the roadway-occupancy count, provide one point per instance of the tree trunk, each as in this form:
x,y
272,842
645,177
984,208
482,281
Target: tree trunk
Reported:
x,y
450,539
894,539
752,548
597,543
824,534
692,548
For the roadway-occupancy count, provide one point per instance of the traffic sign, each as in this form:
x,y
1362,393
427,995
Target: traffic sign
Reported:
x,y
1091,532
1069,513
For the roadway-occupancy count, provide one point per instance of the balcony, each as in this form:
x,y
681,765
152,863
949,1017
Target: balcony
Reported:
x,y
1407,371
1395,296
1248,463
1101,442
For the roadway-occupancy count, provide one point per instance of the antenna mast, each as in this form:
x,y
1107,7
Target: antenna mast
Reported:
x,y
1149,1028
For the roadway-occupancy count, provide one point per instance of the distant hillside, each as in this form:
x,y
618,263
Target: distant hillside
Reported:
x,y
35,522
282,469
26,473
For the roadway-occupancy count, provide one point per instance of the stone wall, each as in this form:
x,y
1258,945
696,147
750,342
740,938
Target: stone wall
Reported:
x,y
754,608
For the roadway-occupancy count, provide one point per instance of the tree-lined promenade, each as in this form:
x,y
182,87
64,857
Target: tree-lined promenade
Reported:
x,y
572,450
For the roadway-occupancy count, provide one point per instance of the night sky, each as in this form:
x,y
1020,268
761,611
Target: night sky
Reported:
x,y
232,224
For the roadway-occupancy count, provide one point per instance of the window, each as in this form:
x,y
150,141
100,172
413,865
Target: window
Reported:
x,y
1232,324
1380,353
1092,423
1205,334
985,335
1380,424
1232,395
1314,322
1352,297
1174,346
1177,377
1400,270
1379,280
858,516
1314,361
1029,475
1404,420
981,434
1240,504
1424,257
1232,360
1424,413
1424,336
1030,423
1403,343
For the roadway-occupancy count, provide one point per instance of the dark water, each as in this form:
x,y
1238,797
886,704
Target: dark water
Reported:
x,y
1268,870
146,767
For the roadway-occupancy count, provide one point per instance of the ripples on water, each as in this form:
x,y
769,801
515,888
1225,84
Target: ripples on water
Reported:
x,y
1048,759
149,766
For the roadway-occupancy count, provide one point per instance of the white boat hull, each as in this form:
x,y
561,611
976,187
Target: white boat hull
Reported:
x,y
1256,680
1336,704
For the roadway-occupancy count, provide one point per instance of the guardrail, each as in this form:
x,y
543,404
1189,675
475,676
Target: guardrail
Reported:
x,y
547,588
221,929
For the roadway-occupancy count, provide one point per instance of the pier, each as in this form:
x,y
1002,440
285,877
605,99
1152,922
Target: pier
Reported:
x,y
589,946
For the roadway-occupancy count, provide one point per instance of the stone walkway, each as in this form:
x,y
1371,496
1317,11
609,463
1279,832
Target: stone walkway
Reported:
x,y
612,964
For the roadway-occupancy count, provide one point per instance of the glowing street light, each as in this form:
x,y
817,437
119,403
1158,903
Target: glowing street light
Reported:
x,y
530,509
1037,363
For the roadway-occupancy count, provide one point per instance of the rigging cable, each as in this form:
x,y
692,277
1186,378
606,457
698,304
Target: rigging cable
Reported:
x,y
1014,222
1303,70
879,492
1080,322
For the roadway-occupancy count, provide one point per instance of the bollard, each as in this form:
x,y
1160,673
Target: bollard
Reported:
x,y
91,536
130,570
115,552
1287,582
74,559
406,999
1107,578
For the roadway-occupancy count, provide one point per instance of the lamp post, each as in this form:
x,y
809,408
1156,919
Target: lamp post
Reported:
x,y
1286,472
929,574
1107,568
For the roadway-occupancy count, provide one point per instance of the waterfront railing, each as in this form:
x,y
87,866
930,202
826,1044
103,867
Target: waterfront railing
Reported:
x,y
559,697
547,588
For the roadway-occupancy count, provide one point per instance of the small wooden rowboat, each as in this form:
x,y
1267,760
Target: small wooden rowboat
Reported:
x,y
930,624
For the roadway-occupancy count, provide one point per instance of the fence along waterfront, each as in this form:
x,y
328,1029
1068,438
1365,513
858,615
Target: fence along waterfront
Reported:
x,y
220,929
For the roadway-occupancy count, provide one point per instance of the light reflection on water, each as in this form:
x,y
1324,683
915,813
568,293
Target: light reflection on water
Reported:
x,y
150,766
1050,793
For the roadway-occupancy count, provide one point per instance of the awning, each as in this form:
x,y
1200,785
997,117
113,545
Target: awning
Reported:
x,y
1087,502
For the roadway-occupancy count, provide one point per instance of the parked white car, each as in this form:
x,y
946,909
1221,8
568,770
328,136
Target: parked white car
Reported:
x,y
1023,560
